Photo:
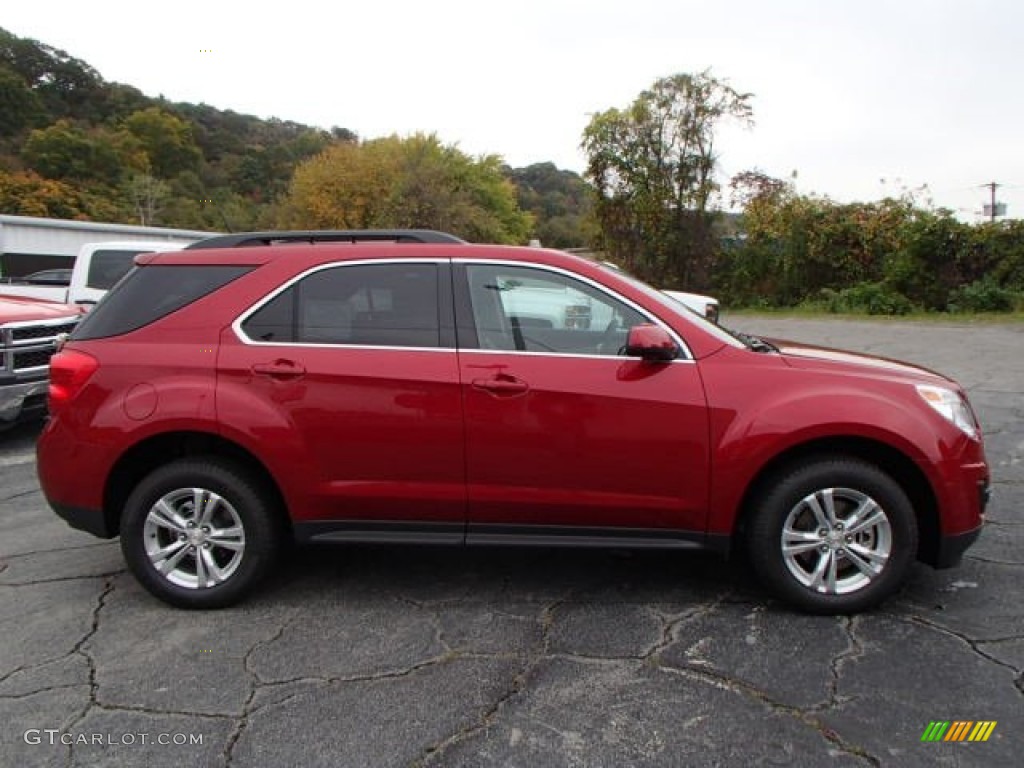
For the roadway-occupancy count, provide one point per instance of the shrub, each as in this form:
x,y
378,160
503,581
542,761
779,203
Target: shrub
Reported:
x,y
983,295
865,298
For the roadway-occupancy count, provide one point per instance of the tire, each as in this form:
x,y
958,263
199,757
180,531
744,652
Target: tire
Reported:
x,y
834,536
189,560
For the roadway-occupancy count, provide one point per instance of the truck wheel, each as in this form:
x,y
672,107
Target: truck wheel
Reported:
x,y
834,536
198,533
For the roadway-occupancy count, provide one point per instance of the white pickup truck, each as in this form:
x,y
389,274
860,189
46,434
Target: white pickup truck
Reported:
x,y
34,313
97,267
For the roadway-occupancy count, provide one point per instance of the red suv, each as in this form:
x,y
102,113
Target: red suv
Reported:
x,y
383,387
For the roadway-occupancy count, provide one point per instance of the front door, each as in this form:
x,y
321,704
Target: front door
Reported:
x,y
564,435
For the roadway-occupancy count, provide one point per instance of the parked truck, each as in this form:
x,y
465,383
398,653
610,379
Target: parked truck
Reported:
x,y
96,268
34,312
29,329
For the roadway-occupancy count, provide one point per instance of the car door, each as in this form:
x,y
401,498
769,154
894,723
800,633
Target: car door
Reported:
x,y
565,436
347,379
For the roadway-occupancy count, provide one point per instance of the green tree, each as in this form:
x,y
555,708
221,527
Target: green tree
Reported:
x,y
66,86
405,182
653,167
20,106
560,202
69,152
167,141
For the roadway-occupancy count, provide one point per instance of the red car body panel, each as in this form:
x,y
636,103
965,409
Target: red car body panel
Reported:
x,y
359,434
584,442
794,404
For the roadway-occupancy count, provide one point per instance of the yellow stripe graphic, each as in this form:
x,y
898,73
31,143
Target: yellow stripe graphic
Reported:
x,y
983,730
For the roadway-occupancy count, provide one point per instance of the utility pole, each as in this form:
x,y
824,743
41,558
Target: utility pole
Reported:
x,y
993,209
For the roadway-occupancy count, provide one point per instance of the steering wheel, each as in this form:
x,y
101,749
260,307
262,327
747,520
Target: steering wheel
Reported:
x,y
610,339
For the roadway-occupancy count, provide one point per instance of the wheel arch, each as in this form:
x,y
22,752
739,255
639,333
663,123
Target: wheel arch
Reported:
x,y
890,460
157,450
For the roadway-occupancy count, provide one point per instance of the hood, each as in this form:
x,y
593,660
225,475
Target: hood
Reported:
x,y
20,309
691,298
807,356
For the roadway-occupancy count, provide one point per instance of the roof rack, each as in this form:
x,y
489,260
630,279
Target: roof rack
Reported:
x,y
242,239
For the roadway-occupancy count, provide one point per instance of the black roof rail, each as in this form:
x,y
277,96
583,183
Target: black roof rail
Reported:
x,y
243,239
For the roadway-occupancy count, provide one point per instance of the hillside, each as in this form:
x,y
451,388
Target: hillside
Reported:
x,y
75,146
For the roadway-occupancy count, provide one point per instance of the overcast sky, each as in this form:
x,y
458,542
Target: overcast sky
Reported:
x,y
847,93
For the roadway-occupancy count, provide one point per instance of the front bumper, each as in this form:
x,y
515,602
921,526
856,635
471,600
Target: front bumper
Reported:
x,y
951,547
22,399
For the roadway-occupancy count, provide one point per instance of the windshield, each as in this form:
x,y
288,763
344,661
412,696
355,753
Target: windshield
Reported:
x,y
678,307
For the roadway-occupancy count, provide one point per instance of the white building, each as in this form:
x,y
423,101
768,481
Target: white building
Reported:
x,y
29,244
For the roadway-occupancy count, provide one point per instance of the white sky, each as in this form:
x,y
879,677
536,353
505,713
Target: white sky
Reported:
x,y
846,92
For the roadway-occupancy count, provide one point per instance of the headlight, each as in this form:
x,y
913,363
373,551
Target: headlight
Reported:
x,y
951,405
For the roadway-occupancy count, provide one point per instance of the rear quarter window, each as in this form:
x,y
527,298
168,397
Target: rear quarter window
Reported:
x,y
149,293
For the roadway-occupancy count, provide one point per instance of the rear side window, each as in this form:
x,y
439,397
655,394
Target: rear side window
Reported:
x,y
391,305
148,293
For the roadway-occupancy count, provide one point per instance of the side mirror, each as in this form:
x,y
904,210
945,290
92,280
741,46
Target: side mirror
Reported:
x,y
651,343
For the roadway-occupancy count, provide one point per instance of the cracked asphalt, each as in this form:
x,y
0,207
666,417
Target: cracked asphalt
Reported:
x,y
382,656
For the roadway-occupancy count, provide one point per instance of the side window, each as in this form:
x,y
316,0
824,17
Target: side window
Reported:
x,y
394,305
534,310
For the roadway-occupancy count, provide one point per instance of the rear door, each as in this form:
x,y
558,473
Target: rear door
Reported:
x,y
564,435
348,379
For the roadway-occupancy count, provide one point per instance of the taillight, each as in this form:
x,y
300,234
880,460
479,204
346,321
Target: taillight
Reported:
x,y
69,371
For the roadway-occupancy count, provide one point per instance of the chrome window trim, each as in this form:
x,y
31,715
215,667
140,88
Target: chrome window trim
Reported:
x,y
600,287
236,326
574,355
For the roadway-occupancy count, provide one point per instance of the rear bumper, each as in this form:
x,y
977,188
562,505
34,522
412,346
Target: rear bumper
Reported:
x,y
89,520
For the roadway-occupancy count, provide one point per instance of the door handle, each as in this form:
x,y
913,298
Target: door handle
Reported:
x,y
279,369
506,386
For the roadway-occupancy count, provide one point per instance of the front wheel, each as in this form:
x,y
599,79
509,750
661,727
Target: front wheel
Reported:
x,y
198,533
833,536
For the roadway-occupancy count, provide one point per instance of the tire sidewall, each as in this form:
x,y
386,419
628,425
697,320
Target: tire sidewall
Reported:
x,y
238,490
765,533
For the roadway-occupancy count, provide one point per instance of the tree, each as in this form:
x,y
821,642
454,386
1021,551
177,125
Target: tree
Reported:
x,y
66,86
560,202
653,167
167,141
94,156
405,182
20,106
27,194
147,195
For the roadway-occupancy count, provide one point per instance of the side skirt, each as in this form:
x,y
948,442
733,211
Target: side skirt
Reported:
x,y
474,534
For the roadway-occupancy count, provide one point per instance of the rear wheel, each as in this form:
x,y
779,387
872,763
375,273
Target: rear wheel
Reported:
x,y
833,536
199,533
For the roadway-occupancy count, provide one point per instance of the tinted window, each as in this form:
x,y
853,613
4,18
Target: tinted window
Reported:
x,y
148,293
107,267
393,305
534,310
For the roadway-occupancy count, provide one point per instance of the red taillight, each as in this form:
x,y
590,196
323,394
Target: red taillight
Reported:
x,y
69,370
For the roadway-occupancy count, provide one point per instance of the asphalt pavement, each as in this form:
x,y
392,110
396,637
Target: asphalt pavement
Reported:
x,y
393,656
